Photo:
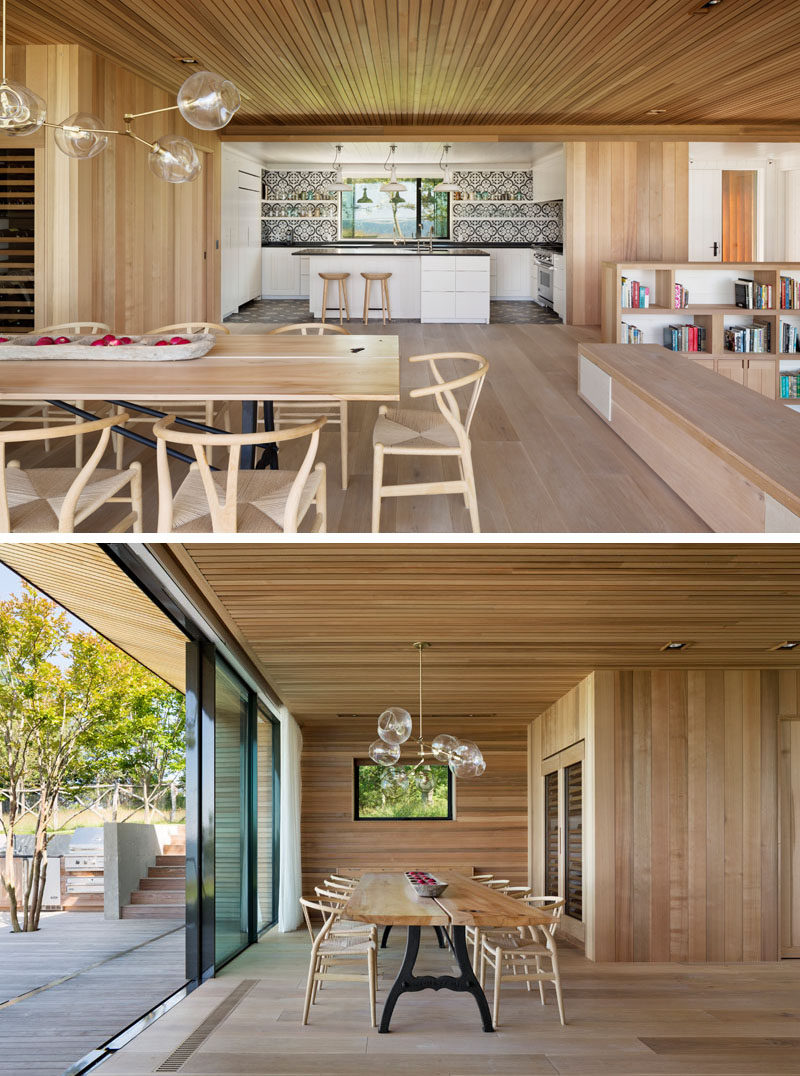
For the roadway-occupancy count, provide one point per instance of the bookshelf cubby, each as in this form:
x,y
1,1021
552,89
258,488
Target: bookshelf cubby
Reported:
x,y
712,306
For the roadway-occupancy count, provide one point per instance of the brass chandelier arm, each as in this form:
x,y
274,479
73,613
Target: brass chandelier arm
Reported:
x,y
153,111
76,129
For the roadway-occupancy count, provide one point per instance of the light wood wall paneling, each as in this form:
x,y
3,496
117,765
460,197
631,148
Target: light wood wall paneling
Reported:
x,y
629,197
490,830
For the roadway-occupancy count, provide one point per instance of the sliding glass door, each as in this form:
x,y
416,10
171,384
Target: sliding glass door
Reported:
x,y
231,886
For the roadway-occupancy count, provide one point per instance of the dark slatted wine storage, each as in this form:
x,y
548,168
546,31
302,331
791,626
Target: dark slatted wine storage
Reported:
x,y
573,840
17,196
551,831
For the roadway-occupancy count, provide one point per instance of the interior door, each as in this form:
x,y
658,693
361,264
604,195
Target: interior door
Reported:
x,y
789,836
705,215
739,216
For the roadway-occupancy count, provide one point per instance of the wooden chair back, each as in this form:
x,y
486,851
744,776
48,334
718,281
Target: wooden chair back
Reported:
x,y
224,513
309,328
191,327
444,391
74,328
552,906
328,915
66,515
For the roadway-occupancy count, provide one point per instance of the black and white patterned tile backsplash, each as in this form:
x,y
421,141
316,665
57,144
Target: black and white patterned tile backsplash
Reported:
x,y
298,184
299,231
511,184
512,222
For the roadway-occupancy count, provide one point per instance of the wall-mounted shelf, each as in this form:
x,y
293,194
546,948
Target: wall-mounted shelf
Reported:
x,y
301,201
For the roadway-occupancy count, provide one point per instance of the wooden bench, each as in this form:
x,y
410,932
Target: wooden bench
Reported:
x,y
729,453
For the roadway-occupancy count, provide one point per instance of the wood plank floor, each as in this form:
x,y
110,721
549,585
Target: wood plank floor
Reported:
x,y
95,993
637,1020
544,462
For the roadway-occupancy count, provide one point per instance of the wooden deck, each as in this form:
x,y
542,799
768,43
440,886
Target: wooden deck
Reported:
x,y
622,1020
77,982
544,461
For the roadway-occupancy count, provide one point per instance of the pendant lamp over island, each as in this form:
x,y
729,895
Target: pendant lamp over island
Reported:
x,y
395,726
339,183
447,183
206,101
393,183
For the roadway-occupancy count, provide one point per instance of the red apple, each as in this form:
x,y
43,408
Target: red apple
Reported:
x,y
98,343
62,340
45,340
160,343
3,339
179,340
125,340
114,343
108,338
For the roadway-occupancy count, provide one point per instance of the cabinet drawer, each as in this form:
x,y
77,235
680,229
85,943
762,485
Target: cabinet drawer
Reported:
x,y
437,262
438,305
472,265
439,280
472,304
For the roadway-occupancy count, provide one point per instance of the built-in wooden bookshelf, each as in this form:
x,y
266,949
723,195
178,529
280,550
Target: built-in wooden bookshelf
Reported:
x,y
712,308
17,212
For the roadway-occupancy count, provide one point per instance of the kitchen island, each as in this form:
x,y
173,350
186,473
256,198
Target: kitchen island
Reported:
x,y
427,284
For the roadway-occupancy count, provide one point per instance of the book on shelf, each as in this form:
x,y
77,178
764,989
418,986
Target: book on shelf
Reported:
x,y
790,386
753,296
633,293
685,337
631,334
748,338
789,337
681,297
790,293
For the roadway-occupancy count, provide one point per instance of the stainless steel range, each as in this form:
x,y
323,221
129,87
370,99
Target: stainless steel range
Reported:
x,y
543,259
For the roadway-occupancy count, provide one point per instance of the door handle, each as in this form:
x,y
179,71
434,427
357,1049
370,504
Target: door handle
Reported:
x,y
715,248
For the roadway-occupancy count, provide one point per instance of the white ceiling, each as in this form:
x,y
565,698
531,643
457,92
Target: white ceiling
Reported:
x,y
422,154
721,151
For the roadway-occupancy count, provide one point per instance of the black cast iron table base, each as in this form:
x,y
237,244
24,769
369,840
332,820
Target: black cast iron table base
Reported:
x,y
440,936
269,452
407,982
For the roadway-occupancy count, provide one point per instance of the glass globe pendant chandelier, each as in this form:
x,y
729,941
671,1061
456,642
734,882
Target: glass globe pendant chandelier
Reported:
x,y
393,184
395,726
206,101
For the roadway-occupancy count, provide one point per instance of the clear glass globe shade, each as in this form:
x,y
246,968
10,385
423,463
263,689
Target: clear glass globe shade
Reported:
x,y
21,110
443,746
385,754
388,781
84,142
402,780
394,725
208,101
424,780
467,751
174,159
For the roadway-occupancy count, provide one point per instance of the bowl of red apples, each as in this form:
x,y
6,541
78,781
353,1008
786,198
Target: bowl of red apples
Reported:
x,y
151,348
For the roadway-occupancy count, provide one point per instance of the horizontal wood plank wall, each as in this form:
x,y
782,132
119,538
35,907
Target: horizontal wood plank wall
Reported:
x,y
624,201
114,242
694,814
490,830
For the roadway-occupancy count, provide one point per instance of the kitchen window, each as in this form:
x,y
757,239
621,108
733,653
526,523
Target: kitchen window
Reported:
x,y
419,210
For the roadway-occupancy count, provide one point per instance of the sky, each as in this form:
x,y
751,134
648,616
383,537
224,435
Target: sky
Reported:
x,y
10,584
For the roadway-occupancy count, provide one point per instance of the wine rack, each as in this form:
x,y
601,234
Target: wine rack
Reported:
x,y
573,850
17,215
551,835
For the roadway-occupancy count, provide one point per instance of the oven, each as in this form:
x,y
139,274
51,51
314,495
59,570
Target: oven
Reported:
x,y
543,261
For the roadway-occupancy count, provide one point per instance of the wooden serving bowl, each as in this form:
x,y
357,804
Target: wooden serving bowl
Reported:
x,y
424,884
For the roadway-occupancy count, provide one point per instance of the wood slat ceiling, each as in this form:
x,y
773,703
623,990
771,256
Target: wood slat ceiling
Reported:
x,y
83,579
484,63
513,627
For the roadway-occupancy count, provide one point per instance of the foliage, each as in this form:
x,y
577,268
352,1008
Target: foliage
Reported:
x,y
376,802
73,709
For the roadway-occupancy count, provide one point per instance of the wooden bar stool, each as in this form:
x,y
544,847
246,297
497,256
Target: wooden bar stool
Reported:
x,y
383,278
341,280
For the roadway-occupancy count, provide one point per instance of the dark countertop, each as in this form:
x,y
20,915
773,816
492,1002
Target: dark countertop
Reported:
x,y
378,246
409,250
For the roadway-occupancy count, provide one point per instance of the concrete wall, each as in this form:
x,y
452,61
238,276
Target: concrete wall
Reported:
x,y
129,848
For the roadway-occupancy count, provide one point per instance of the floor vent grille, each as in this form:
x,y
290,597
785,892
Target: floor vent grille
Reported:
x,y
181,1054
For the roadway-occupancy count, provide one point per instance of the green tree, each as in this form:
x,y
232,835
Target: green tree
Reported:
x,y
73,708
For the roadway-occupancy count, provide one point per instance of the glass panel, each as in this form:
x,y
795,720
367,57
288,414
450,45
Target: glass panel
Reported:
x,y
551,834
434,210
573,851
265,777
230,862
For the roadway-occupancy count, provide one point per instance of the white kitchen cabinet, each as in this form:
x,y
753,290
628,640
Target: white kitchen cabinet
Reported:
x,y
511,273
454,289
240,233
281,273
249,230
229,237
559,286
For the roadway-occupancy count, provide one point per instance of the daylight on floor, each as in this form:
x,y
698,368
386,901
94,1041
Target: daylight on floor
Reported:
x,y
541,818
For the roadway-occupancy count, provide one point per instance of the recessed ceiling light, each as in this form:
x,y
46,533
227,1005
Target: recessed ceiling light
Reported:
x,y
186,60
655,111
674,645
788,644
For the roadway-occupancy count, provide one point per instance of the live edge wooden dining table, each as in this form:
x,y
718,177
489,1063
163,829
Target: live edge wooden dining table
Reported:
x,y
387,899
241,367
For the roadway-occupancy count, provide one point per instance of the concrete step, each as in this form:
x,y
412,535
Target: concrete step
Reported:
x,y
153,911
171,861
166,872
163,884
176,849
161,896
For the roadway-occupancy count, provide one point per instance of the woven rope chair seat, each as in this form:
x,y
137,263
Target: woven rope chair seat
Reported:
x,y
262,497
35,496
407,428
